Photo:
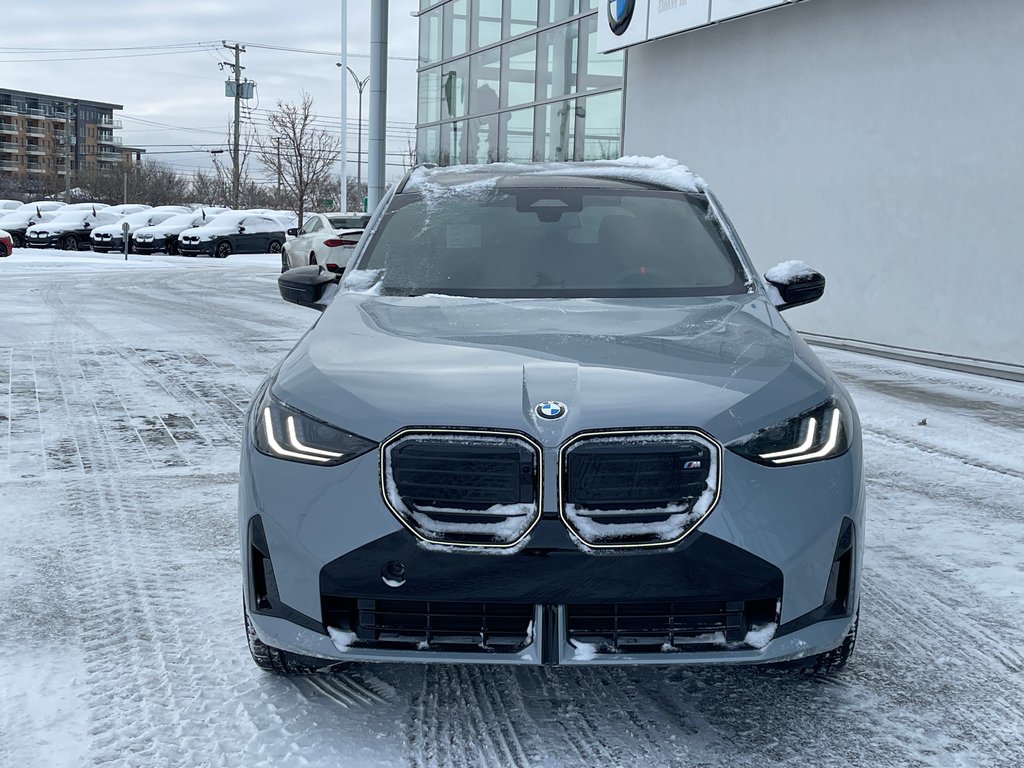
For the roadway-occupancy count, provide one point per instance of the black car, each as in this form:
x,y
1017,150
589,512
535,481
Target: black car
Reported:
x,y
234,233
69,230
16,223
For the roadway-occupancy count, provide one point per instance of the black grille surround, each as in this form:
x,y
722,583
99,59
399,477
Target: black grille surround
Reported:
x,y
460,487
637,488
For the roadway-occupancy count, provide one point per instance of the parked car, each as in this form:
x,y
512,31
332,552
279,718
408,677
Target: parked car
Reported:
x,y
164,236
16,222
111,237
551,415
9,205
127,208
236,232
6,244
41,205
68,230
307,245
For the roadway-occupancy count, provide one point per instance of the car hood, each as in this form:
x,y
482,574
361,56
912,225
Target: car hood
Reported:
x,y
208,232
108,229
373,365
54,228
158,230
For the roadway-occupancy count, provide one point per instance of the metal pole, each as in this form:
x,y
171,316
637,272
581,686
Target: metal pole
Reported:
x,y
378,101
67,153
360,84
235,167
343,146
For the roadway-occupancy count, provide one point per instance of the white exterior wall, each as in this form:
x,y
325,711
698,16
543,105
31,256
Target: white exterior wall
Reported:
x,y
880,141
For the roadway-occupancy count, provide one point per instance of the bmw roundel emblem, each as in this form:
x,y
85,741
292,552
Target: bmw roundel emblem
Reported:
x,y
620,13
551,409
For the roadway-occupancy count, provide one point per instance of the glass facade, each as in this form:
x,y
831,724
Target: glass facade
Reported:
x,y
515,81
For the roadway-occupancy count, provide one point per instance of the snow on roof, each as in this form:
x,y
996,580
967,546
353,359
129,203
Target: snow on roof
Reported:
x,y
657,171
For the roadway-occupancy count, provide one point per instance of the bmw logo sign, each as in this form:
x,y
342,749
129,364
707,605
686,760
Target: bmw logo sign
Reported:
x,y
620,13
551,409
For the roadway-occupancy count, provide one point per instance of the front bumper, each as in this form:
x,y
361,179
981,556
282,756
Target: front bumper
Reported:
x,y
53,241
105,246
768,553
195,249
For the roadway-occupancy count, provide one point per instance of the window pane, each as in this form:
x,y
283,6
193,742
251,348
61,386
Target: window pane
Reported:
x,y
520,16
484,81
454,78
516,130
518,68
600,70
428,148
456,28
429,110
430,37
486,22
555,127
552,11
456,146
602,125
482,139
556,62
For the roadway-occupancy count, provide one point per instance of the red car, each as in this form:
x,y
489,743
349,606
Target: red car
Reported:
x,y
6,244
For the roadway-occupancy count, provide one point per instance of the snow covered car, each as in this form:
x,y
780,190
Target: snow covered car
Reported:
x,y
6,244
41,205
551,415
164,236
111,236
9,205
16,223
68,230
325,238
238,232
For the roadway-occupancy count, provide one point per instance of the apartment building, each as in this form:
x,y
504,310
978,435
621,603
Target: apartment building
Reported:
x,y
35,128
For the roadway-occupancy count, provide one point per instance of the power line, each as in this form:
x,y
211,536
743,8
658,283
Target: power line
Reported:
x,y
102,58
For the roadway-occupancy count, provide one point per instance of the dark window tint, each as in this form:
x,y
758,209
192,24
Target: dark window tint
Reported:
x,y
349,222
554,242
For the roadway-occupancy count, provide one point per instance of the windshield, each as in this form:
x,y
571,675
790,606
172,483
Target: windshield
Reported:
x,y
554,243
227,219
73,217
349,222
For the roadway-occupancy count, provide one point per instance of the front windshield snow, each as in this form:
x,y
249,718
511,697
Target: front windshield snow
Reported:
x,y
553,242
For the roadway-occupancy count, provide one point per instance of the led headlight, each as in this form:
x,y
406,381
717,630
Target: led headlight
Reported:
x,y
820,433
286,433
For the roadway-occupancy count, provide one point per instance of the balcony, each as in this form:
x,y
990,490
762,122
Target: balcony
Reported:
x,y
8,147
8,165
109,157
115,141
109,122
8,128
35,149
9,109
36,130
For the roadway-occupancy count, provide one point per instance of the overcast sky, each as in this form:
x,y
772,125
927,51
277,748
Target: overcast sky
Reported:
x,y
185,88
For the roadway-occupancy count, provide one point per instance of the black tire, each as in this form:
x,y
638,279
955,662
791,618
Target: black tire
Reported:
x,y
274,246
19,241
69,243
285,265
277,661
825,663
3,251
172,248
223,249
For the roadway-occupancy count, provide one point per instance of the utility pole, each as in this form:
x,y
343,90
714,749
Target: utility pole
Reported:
x,y
343,206
235,168
378,101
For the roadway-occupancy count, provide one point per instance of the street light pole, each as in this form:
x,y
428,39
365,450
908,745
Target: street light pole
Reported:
x,y
360,84
376,145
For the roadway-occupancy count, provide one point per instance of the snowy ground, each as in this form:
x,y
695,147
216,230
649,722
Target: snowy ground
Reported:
x,y
122,389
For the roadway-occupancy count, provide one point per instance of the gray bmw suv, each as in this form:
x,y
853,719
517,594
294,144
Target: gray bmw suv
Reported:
x,y
551,415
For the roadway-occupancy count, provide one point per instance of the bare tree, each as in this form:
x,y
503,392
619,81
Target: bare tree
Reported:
x,y
299,153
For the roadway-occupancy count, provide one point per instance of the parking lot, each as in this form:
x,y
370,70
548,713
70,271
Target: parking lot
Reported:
x,y
123,387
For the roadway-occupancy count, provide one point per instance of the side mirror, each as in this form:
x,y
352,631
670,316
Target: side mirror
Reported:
x,y
293,232
306,286
241,229
794,284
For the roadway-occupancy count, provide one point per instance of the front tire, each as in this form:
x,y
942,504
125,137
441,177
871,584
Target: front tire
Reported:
x,y
274,247
223,249
277,661
69,243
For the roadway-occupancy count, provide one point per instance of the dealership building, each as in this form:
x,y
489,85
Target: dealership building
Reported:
x,y
878,141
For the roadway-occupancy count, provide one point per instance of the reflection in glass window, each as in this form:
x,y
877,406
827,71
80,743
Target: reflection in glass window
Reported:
x,y
520,16
518,68
454,88
428,144
556,61
455,150
554,131
456,28
486,22
600,70
602,126
552,11
484,81
516,131
482,139
430,37
429,108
